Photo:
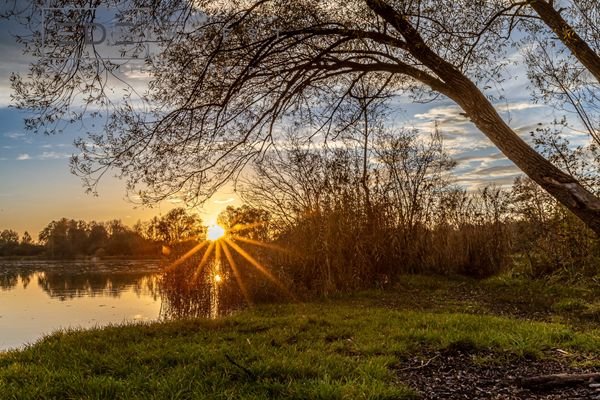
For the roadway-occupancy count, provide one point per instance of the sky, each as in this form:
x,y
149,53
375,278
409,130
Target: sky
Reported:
x,y
36,185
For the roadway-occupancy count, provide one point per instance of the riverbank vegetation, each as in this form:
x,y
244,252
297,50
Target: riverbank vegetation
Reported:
x,y
324,221
370,345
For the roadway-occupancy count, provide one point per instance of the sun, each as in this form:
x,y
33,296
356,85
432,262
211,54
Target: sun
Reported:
x,y
215,232
221,243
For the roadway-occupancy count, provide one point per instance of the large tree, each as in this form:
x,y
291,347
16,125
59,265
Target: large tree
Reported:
x,y
229,76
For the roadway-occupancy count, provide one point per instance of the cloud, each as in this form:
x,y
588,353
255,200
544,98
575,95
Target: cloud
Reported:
x,y
18,136
499,170
446,114
491,154
137,73
225,201
55,145
519,106
53,155
455,114
46,155
14,135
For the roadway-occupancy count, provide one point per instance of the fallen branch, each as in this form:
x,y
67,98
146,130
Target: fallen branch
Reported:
x,y
246,370
558,380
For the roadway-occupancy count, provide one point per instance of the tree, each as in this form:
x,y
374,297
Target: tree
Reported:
x,y
415,173
236,73
554,36
246,221
97,237
26,239
9,237
175,226
566,32
9,242
54,238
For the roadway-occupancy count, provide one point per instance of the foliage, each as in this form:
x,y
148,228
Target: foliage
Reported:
x,y
66,238
69,238
175,226
549,239
358,217
246,221
10,244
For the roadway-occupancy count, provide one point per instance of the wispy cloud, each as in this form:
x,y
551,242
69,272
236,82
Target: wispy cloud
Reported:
x,y
55,145
446,114
46,155
225,201
14,135
499,170
53,155
137,73
519,106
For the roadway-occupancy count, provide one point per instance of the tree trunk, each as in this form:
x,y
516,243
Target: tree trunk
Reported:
x,y
563,187
568,36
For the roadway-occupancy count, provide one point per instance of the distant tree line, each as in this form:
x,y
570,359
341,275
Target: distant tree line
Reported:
x,y
11,244
68,238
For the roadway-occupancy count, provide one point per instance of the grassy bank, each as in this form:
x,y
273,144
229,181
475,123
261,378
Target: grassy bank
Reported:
x,y
349,347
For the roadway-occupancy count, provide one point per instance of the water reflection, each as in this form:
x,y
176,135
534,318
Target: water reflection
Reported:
x,y
213,293
39,297
66,286
71,280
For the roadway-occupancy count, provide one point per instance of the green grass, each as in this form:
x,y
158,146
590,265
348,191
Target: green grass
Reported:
x,y
350,347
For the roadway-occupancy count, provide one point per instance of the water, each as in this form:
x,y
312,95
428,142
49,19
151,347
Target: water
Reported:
x,y
39,297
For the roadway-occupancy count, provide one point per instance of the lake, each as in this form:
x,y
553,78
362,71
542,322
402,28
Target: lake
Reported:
x,y
39,297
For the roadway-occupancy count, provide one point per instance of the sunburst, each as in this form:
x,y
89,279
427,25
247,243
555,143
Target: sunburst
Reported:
x,y
219,240
215,232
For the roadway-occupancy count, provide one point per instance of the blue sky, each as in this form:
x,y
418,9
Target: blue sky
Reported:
x,y
37,187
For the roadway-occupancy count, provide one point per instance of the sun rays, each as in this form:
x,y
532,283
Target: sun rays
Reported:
x,y
221,243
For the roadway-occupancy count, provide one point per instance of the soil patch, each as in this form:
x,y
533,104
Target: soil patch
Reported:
x,y
463,374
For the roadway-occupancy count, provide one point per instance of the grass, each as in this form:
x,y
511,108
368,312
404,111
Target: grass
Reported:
x,y
350,347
